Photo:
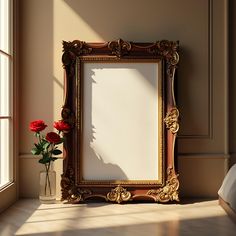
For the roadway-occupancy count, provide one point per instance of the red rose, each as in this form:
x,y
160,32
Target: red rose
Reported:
x,y
53,137
61,125
37,125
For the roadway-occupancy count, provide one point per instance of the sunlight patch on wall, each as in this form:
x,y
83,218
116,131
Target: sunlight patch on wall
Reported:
x,y
67,26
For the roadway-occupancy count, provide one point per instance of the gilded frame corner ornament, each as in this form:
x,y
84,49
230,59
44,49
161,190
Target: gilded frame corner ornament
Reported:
x,y
170,191
75,191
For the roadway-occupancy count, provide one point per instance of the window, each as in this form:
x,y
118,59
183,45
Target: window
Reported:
x,y
6,91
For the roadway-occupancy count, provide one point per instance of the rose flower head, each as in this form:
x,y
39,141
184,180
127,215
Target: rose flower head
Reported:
x,y
53,137
37,125
61,125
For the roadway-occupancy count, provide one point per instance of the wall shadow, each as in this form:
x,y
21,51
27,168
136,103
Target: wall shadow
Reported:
x,y
92,161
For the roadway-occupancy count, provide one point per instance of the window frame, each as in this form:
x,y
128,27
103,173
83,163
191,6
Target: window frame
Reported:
x,y
9,191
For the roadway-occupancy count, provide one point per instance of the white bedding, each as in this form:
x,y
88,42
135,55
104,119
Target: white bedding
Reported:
x,y
227,190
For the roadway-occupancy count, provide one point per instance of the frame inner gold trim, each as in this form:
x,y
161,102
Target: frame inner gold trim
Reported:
x,y
160,151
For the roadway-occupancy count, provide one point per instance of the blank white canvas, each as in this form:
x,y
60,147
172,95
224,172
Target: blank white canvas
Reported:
x,y
120,121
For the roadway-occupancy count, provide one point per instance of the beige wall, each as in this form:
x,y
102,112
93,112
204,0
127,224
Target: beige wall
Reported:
x,y
201,27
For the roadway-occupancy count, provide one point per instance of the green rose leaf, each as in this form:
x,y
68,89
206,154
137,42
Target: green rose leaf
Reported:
x,y
56,152
53,158
46,155
39,146
35,151
44,160
46,145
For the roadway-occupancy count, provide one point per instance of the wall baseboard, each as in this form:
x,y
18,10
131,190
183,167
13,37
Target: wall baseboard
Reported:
x,y
200,175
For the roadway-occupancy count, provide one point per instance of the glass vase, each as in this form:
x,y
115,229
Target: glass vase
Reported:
x,y
47,186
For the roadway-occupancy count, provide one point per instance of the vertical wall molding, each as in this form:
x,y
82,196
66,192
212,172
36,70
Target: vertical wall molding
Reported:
x,y
216,138
209,132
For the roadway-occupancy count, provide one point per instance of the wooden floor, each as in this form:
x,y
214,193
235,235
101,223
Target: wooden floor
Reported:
x,y
29,217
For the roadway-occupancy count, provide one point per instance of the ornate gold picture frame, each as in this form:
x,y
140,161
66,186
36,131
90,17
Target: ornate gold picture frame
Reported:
x,y
119,100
